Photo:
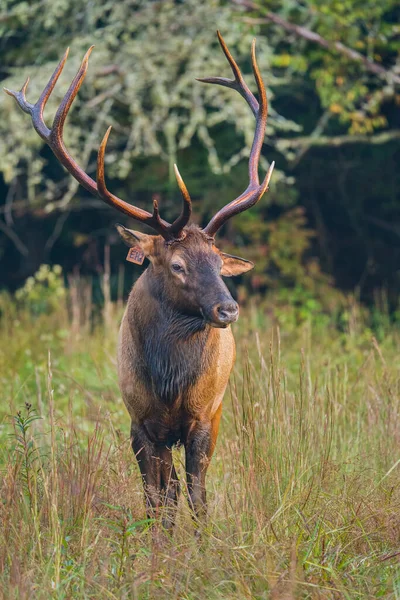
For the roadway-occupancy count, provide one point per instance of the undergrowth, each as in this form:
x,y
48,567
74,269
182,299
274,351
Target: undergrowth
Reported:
x,y
304,486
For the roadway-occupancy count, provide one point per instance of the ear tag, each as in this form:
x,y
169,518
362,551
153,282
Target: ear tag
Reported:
x,y
136,255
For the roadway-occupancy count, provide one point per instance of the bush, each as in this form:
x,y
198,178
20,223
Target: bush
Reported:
x,y
44,292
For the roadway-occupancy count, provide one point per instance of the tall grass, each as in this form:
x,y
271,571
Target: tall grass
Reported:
x,y
303,488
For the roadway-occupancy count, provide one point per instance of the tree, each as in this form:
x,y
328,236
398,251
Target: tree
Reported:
x,y
326,70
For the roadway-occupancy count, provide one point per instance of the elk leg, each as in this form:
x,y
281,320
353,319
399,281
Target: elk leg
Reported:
x,y
199,448
148,458
170,488
214,429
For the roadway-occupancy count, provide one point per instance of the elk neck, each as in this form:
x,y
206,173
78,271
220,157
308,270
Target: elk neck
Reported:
x,y
177,347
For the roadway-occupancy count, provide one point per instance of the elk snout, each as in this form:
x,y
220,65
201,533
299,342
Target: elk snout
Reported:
x,y
225,313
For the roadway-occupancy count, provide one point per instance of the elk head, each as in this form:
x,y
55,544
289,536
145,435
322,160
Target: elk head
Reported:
x,y
183,257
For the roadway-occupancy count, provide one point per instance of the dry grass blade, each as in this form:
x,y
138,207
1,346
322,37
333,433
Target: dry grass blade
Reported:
x,y
303,489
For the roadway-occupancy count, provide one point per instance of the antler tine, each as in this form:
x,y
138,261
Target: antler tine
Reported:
x,y
56,141
153,220
261,120
54,138
20,97
254,191
36,110
238,83
246,200
183,219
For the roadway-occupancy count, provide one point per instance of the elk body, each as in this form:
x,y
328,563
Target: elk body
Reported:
x,y
176,348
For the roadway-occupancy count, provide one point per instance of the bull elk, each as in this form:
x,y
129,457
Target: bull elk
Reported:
x,y
176,349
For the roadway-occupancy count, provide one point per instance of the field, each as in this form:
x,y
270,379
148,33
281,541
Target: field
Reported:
x,y
304,486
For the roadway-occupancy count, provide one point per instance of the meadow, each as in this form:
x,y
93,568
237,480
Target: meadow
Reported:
x,y
303,489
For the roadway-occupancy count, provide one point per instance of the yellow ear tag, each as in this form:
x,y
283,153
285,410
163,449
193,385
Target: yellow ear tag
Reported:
x,y
136,255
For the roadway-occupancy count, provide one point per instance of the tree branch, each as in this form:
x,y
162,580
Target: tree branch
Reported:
x,y
24,207
10,233
311,36
339,140
384,225
316,133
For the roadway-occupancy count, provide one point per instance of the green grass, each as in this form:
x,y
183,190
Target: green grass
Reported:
x,y
304,486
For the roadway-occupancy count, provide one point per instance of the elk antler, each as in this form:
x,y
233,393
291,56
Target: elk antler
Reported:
x,y
54,138
255,190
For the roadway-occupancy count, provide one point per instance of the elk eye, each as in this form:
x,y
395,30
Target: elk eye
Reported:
x,y
177,268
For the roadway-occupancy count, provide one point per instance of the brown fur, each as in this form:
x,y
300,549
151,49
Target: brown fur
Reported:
x,y
173,365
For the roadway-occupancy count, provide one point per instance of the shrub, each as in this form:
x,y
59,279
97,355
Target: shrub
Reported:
x,y
44,292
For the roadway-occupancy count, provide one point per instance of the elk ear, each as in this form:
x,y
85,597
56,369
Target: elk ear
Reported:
x,y
136,238
233,265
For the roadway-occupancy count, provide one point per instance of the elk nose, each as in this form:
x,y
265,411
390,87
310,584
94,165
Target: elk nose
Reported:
x,y
227,312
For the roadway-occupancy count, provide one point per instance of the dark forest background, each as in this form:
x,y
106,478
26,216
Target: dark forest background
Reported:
x,y
331,221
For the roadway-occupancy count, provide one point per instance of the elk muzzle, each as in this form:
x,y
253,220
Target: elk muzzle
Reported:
x,y
222,314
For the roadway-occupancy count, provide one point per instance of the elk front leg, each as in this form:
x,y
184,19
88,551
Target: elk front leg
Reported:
x,y
147,456
199,448
170,488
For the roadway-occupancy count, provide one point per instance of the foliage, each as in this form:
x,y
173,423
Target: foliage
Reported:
x,y
346,89
141,81
287,278
44,291
26,450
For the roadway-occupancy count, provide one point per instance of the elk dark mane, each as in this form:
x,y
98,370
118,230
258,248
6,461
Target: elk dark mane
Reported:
x,y
167,345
